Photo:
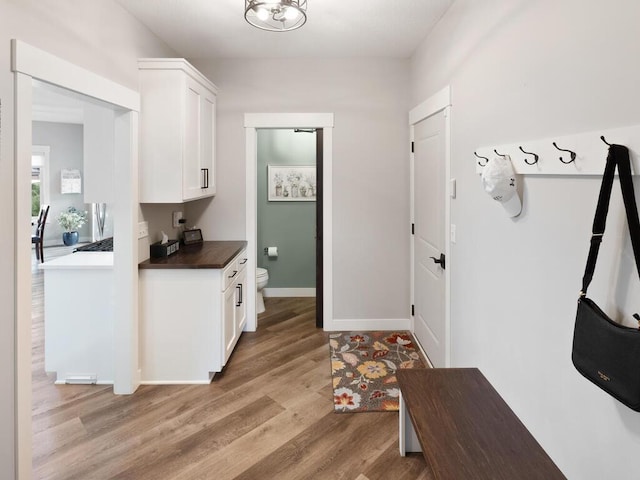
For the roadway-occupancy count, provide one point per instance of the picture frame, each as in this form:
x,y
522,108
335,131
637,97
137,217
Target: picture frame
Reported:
x,y
291,183
192,237
70,181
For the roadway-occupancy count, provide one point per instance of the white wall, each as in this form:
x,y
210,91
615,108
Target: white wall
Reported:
x,y
65,140
97,35
289,226
370,152
523,70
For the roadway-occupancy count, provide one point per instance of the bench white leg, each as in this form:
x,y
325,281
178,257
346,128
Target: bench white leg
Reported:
x,y
408,440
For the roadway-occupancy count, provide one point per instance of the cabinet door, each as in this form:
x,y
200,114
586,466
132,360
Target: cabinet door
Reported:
x,y
192,176
241,301
229,332
207,139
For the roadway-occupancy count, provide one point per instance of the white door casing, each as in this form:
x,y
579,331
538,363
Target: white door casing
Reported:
x,y
430,215
252,122
30,63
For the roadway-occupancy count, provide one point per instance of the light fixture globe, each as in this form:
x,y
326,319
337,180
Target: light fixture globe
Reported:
x,y
276,15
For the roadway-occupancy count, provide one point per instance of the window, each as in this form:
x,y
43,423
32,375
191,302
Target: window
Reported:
x,y
39,179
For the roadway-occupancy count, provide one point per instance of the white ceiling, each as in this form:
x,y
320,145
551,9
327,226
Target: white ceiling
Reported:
x,y
334,28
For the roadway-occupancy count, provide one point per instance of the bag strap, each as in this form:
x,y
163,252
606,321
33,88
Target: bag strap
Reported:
x,y
618,155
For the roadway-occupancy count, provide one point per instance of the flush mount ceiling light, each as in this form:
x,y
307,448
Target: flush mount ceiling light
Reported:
x,y
276,15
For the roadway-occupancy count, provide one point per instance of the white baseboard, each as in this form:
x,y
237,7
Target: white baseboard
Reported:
x,y
364,324
99,382
289,292
175,382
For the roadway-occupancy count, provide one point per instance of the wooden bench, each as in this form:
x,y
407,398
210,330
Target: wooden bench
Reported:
x,y
465,429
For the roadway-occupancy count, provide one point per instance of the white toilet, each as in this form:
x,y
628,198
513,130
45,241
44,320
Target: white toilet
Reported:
x,y
262,277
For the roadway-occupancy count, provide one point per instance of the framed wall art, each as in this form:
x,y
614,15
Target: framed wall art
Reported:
x,y
291,183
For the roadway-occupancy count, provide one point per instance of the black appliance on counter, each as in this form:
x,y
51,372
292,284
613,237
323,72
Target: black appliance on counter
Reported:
x,y
104,245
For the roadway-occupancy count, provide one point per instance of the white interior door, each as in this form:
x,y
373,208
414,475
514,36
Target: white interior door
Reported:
x,y
429,240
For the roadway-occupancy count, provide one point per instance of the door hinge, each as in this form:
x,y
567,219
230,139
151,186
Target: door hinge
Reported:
x,y
411,147
413,310
413,229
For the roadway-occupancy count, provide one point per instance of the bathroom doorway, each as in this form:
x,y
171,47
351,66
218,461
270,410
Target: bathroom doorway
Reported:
x,y
287,186
322,125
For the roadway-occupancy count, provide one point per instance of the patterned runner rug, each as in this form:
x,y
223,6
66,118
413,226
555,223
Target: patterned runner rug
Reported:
x,y
363,368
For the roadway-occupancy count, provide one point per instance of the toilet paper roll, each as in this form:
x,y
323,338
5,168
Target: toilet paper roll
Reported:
x,y
272,252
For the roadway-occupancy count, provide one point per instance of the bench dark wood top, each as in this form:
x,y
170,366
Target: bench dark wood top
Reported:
x,y
467,431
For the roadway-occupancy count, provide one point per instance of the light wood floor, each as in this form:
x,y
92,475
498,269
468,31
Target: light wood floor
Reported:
x,y
269,415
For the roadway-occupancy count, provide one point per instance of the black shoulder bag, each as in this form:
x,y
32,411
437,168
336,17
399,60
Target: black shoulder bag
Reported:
x,y
605,352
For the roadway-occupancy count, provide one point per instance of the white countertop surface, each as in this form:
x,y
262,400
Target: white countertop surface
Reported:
x,y
80,260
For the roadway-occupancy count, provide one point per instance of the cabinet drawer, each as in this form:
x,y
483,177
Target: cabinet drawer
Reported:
x,y
242,260
230,273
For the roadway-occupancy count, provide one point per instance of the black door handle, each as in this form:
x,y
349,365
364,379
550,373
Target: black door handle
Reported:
x,y
440,260
205,178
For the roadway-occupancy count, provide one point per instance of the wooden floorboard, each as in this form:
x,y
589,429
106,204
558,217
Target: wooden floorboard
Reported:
x,y
269,415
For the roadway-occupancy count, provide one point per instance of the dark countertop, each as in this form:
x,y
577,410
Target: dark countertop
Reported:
x,y
206,255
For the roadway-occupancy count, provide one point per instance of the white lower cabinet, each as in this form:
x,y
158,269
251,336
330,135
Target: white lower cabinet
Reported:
x,y
241,305
235,312
191,320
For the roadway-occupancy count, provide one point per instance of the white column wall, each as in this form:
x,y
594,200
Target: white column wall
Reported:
x,y
519,70
75,31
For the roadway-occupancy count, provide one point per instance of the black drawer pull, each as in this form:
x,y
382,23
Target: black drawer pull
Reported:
x,y
239,287
235,272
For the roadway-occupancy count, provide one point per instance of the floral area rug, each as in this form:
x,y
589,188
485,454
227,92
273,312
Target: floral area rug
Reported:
x,y
363,368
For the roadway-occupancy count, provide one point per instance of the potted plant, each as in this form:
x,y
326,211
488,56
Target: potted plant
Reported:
x,y
294,178
71,220
277,178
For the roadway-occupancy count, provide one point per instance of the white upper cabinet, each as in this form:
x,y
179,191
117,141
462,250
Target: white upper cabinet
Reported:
x,y
177,132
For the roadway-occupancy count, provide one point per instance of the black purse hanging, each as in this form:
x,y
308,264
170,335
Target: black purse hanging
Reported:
x,y
605,352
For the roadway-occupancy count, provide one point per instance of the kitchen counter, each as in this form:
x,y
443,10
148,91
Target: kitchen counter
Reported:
x,y
78,317
80,260
213,254
192,312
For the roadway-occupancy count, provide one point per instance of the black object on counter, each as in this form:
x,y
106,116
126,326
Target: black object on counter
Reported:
x,y
104,245
159,250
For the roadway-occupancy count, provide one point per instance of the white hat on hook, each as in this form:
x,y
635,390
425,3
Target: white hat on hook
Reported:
x,y
500,181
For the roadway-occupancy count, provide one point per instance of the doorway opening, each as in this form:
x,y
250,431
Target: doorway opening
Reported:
x,y
287,184
322,124
29,64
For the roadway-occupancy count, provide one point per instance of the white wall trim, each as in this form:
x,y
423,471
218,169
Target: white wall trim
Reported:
x,y
370,324
434,104
22,162
253,121
289,292
251,218
54,70
42,113
288,120
30,63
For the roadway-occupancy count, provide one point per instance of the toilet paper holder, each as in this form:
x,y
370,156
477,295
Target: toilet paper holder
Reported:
x,y
271,251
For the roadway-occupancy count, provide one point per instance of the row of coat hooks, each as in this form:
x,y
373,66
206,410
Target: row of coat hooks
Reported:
x,y
535,157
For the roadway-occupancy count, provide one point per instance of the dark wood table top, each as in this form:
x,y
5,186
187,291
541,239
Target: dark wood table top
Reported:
x,y
466,429
214,254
